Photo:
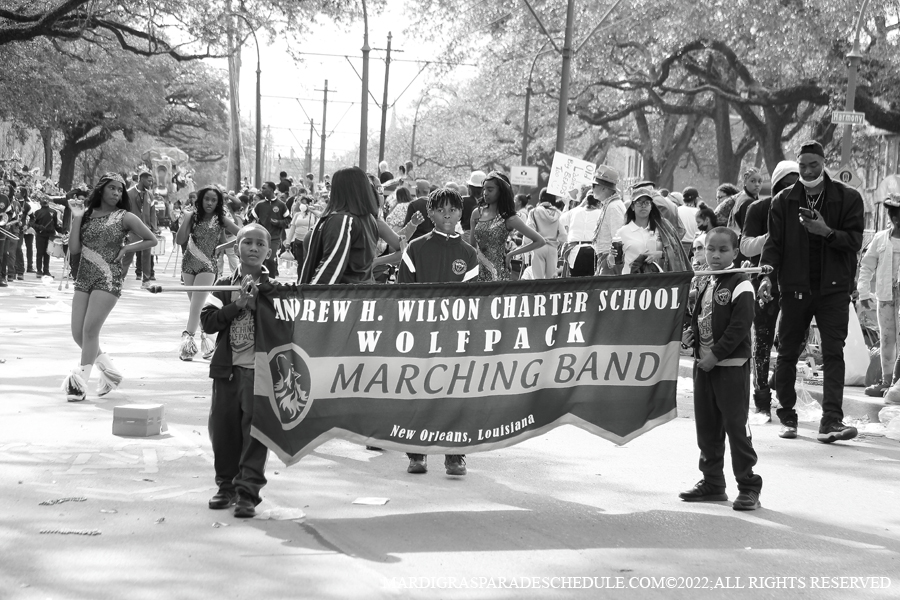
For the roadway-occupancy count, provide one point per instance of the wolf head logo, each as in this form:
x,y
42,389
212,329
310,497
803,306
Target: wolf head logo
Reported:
x,y
291,385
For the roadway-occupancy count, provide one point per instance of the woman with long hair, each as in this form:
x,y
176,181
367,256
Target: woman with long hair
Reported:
x,y
99,233
491,225
202,228
341,246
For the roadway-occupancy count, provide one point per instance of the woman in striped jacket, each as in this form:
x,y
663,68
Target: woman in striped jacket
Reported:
x,y
341,247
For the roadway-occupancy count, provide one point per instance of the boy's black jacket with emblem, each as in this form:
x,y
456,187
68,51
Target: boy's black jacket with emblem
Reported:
x,y
732,316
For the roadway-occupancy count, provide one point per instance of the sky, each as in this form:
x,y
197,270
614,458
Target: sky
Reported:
x,y
291,91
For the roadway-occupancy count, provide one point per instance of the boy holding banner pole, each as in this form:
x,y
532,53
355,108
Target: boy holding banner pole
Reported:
x,y
239,458
720,336
437,257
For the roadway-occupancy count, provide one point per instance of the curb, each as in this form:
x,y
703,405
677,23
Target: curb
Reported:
x,y
856,404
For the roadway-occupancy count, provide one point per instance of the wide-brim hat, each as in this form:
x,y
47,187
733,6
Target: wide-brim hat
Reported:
x,y
606,175
892,201
476,179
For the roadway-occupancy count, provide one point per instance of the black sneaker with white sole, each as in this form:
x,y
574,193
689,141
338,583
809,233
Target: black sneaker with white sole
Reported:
x,y
834,431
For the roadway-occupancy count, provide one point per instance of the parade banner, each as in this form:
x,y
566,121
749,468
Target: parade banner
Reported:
x,y
465,367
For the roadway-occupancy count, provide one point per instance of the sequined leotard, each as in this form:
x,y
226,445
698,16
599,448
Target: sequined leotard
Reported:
x,y
490,238
101,240
201,248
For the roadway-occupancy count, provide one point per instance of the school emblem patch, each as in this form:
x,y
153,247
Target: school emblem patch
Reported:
x,y
723,297
459,266
276,210
291,384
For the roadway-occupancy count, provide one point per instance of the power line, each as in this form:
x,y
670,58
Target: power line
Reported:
x,y
408,60
308,99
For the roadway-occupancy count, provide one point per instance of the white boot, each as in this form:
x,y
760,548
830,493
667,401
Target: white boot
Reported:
x,y
188,347
75,383
207,346
110,376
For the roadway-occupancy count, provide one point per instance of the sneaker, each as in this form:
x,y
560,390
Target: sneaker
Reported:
x,y
455,464
3,282
20,278
138,277
835,431
788,431
153,278
704,492
188,348
760,417
417,463
748,500
877,390
29,270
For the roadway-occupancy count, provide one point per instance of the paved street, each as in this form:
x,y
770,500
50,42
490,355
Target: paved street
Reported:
x,y
565,505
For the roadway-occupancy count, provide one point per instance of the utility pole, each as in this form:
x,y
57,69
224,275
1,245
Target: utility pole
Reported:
x,y
384,101
564,84
364,111
322,146
309,148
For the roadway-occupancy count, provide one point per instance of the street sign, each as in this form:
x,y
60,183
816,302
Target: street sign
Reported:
x,y
847,175
524,176
843,117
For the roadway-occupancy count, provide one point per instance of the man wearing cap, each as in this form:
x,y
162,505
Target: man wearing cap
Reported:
x,y
753,239
475,185
815,233
420,205
141,203
612,215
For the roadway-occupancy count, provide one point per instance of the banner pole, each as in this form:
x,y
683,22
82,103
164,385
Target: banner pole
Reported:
x,y
158,289
765,270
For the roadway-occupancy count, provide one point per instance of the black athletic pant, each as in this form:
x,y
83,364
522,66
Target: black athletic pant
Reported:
x,y
764,320
43,258
721,401
239,458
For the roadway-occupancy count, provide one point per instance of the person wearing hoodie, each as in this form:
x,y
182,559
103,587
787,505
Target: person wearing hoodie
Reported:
x,y
545,220
815,233
753,239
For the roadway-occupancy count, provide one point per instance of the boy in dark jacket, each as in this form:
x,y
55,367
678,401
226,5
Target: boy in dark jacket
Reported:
x,y
239,458
720,336
440,255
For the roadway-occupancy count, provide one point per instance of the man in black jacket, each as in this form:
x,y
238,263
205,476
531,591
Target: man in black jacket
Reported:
x,y
46,225
815,232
